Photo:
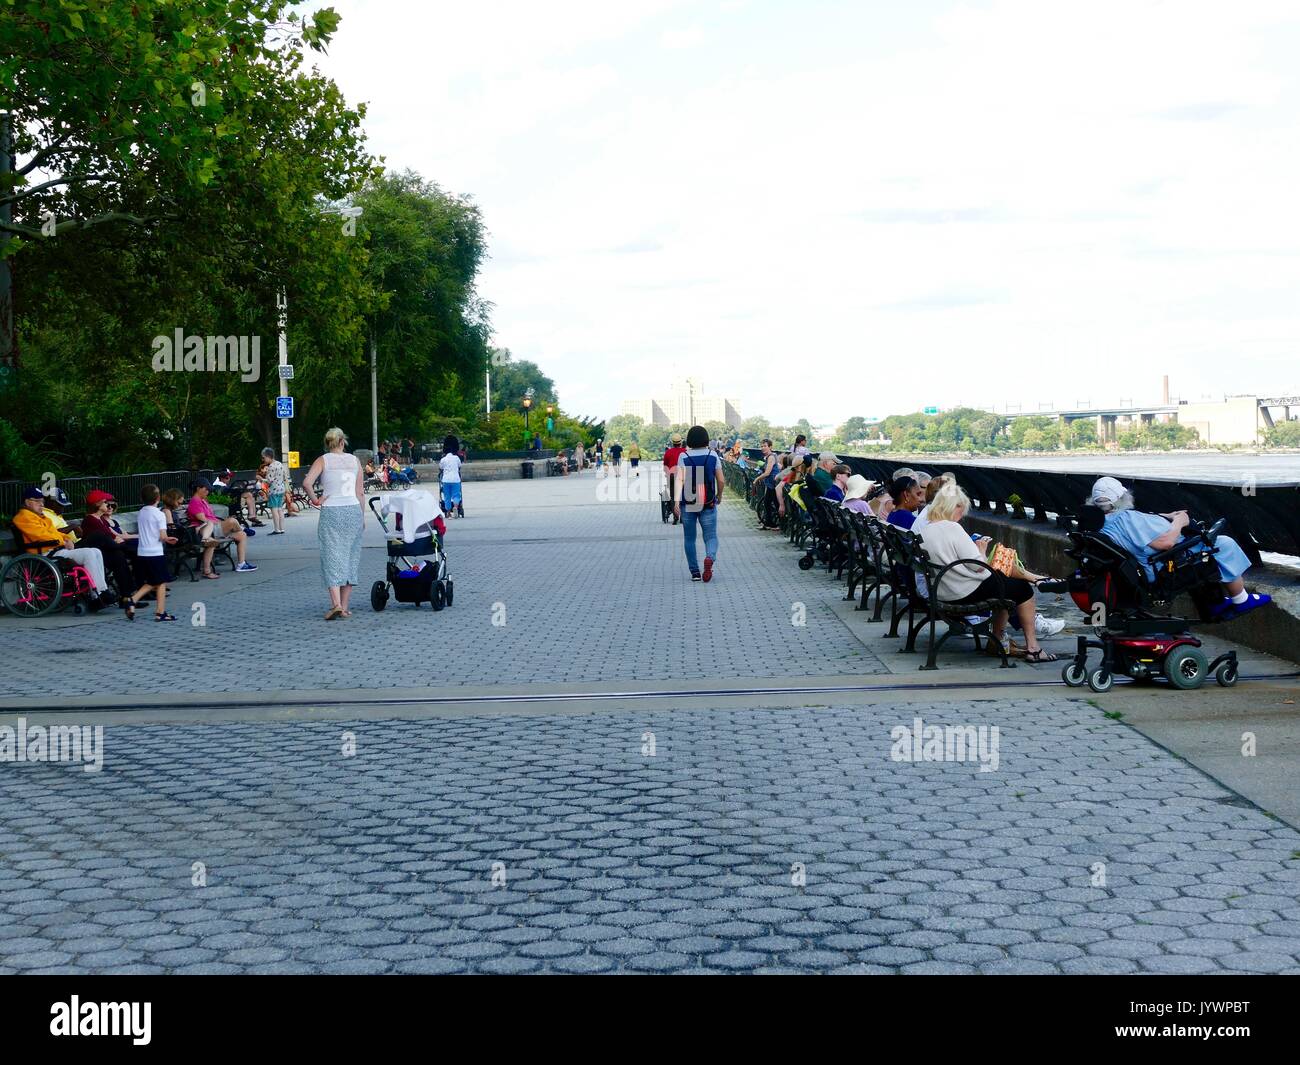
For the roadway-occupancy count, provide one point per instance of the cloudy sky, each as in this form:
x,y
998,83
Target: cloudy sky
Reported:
x,y
862,207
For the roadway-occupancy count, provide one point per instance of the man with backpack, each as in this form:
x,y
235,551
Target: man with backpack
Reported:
x,y
696,493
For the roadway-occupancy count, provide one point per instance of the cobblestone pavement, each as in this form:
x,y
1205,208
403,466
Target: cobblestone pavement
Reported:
x,y
585,584
615,859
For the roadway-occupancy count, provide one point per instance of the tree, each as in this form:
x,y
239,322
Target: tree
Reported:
x,y
512,377
213,250
853,429
1284,434
426,248
755,429
623,429
1082,433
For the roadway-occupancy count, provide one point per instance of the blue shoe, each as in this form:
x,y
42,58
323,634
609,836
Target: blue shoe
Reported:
x,y
1227,609
245,567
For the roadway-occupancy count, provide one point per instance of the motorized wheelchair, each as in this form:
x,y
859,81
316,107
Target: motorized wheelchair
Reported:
x,y
1136,631
33,585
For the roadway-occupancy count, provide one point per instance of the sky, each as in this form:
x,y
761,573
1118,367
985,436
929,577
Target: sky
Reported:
x,y
825,209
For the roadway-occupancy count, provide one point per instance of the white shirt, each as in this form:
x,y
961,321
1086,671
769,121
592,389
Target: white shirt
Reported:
x,y
338,481
150,523
945,542
450,467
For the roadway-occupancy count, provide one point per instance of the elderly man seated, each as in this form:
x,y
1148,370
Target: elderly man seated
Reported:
x,y
1142,535
38,527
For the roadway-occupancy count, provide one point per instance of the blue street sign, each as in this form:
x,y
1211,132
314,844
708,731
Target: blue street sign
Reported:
x,y
931,410
284,406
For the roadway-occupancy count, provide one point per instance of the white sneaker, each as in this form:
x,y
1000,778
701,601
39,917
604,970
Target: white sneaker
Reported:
x,y
1044,627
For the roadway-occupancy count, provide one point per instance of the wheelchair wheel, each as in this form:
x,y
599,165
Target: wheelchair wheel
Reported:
x,y
437,596
1186,667
1074,674
31,585
1101,680
450,589
1226,674
378,595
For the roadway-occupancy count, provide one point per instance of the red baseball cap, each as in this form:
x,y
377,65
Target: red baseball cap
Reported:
x,y
98,496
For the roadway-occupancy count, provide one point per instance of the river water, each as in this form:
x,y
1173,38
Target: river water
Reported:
x,y
1215,466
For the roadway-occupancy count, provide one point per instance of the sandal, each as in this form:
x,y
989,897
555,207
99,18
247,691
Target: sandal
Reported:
x,y
1040,655
164,617
211,576
333,613
345,613
130,611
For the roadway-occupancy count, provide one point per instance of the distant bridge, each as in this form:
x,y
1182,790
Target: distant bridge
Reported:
x,y
1231,420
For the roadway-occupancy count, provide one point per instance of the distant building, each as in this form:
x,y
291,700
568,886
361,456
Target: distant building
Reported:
x,y
685,405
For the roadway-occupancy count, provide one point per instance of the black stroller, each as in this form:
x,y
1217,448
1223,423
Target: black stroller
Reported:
x,y
421,576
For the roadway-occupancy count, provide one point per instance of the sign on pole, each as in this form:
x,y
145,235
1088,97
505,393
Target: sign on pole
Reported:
x,y
284,406
286,372
293,460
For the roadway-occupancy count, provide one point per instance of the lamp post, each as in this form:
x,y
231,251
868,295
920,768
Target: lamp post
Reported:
x,y
528,403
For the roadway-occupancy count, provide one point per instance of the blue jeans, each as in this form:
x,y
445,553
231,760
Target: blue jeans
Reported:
x,y
707,520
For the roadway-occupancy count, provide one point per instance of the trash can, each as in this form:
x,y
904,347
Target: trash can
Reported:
x,y
527,470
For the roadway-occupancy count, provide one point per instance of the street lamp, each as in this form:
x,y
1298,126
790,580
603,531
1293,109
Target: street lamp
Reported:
x,y
528,403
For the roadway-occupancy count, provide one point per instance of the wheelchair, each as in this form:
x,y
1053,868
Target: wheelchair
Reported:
x,y
1136,630
34,585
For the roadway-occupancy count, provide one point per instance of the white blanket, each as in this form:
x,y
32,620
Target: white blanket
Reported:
x,y
418,509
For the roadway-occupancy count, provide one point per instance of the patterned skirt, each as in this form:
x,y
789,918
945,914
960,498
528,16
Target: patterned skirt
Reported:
x,y
339,533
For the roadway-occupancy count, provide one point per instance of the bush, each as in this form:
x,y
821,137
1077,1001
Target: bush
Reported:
x,y
1284,434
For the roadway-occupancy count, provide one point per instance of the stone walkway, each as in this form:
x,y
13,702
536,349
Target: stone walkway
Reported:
x,y
608,858
677,835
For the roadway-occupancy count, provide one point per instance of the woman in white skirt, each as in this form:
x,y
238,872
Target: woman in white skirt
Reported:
x,y
342,520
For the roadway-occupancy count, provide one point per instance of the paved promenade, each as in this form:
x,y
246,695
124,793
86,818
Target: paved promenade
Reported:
x,y
703,833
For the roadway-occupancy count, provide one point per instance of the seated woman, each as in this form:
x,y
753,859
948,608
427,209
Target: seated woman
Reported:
x,y
856,489
947,542
908,497
1142,535
98,531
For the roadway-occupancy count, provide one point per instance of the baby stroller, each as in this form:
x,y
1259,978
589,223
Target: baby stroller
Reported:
x,y
1137,633
416,570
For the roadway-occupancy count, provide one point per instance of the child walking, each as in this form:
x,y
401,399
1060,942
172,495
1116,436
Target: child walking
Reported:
x,y
151,565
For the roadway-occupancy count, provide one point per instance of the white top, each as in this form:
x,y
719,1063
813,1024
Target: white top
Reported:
x,y
338,482
945,542
150,523
450,467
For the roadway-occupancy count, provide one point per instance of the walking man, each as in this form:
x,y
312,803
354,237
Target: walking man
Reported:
x,y
695,500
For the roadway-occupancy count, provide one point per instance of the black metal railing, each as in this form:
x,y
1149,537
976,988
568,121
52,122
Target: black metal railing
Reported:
x,y
1260,517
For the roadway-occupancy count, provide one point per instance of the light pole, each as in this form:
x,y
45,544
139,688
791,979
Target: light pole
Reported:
x,y
528,402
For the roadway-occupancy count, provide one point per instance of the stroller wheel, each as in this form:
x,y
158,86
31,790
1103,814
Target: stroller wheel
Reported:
x,y
450,588
1226,674
1074,674
437,596
378,595
806,562
1101,680
1186,667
